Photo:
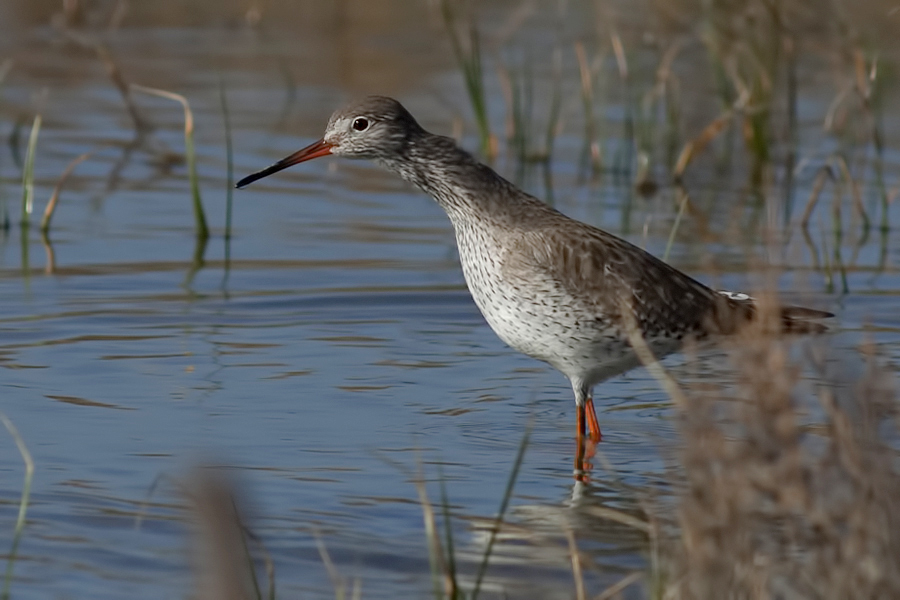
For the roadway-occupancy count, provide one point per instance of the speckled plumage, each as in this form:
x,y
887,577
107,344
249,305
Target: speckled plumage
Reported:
x,y
548,285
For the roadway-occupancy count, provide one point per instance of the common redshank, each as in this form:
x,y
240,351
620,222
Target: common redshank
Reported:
x,y
552,287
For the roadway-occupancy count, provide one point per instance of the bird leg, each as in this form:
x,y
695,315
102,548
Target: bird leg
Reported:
x,y
579,421
582,466
584,447
594,426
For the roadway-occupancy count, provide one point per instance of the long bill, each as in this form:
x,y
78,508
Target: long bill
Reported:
x,y
314,150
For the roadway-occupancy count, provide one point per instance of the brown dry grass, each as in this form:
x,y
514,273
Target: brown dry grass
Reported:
x,y
787,493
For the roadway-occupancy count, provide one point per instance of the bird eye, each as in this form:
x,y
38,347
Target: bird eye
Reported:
x,y
360,124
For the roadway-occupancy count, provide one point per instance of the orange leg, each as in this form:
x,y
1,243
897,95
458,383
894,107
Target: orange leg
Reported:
x,y
582,467
584,448
594,426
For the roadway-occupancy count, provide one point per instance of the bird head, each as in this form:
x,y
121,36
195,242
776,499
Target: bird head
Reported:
x,y
376,127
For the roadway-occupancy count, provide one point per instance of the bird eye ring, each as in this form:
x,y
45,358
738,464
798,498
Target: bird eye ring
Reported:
x,y
360,124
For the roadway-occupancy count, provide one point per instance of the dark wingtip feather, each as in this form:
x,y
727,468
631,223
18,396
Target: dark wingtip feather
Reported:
x,y
798,319
801,312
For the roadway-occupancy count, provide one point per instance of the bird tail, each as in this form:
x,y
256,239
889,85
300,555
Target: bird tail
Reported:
x,y
798,319
786,319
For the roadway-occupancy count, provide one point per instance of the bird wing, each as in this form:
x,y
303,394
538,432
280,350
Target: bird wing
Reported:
x,y
609,273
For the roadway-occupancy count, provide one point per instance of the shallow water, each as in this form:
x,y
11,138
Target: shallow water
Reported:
x,y
336,351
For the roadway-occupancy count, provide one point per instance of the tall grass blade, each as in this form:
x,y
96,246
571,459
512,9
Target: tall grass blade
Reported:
x,y
50,209
699,143
469,61
504,503
681,206
855,193
792,134
648,359
199,215
453,592
623,162
5,67
615,589
229,163
141,125
866,76
553,121
229,176
435,553
14,141
50,266
337,582
577,573
592,147
28,171
197,260
824,175
24,249
23,502
250,566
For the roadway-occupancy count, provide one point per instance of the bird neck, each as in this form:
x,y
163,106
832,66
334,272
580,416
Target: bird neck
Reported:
x,y
464,187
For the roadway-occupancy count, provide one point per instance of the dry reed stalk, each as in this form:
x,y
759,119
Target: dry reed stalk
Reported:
x,y
709,133
576,564
435,551
617,588
824,174
50,209
775,506
199,215
587,101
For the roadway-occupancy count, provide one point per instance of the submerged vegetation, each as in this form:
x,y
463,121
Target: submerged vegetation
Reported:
x,y
784,485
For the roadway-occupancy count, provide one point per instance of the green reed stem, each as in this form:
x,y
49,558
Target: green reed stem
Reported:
x,y
504,504
555,108
189,154
245,547
435,554
28,171
448,536
23,502
470,63
229,158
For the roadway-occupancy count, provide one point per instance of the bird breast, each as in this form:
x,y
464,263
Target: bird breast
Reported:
x,y
525,307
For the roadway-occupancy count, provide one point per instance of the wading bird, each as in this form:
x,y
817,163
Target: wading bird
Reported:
x,y
552,287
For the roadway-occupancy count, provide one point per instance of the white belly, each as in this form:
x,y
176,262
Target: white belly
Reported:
x,y
537,316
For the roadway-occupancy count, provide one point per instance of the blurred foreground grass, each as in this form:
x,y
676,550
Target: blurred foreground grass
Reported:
x,y
784,491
